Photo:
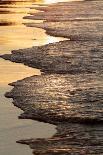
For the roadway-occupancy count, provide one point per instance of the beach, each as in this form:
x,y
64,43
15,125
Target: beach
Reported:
x,y
69,91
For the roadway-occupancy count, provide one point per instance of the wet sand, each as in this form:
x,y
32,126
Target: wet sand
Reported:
x,y
69,93
15,35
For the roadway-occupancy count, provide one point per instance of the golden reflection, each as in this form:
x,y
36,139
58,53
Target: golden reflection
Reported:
x,y
10,72
15,35
56,1
51,39
52,1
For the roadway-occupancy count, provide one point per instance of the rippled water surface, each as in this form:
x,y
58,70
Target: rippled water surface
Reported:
x,y
15,35
79,95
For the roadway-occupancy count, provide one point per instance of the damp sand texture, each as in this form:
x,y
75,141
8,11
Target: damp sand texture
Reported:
x,y
69,93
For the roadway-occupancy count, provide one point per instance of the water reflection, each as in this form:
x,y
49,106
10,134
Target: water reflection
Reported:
x,y
14,11
56,1
14,35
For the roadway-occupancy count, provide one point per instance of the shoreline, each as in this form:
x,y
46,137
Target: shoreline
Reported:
x,y
69,93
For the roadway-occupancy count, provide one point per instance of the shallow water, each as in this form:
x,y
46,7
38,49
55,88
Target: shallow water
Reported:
x,y
83,103
12,129
15,35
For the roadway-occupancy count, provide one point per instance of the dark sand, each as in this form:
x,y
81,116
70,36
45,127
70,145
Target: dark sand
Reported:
x,y
70,91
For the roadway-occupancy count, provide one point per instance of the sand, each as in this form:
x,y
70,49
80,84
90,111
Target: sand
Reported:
x,y
69,92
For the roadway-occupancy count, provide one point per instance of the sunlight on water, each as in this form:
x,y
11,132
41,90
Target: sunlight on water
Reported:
x,y
14,35
55,1
13,129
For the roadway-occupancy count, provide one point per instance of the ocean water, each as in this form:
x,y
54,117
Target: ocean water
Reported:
x,y
15,35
